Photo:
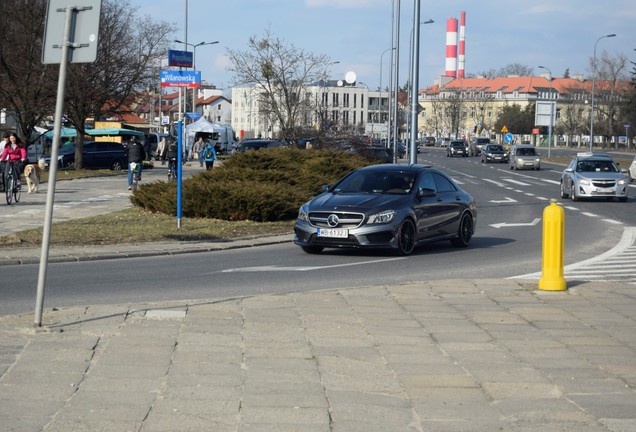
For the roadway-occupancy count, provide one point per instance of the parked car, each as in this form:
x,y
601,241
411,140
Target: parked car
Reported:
x,y
377,154
593,175
493,153
631,172
524,156
259,144
395,207
95,155
457,147
476,145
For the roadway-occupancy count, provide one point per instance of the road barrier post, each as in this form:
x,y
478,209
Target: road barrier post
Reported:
x,y
553,248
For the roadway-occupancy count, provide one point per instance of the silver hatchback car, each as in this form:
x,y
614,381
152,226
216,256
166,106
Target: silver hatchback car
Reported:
x,y
524,156
593,175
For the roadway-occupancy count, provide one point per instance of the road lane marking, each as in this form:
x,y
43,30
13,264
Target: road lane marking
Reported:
x,y
274,268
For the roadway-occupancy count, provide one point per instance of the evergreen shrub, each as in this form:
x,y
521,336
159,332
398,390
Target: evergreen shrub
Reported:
x,y
262,186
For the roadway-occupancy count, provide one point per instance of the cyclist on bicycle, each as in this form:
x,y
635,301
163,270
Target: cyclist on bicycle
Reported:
x,y
14,155
137,154
170,154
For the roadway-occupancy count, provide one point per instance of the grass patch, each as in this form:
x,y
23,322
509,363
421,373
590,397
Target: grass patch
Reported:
x,y
139,226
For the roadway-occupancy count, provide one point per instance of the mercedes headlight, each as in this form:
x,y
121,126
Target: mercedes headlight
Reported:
x,y
384,217
303,214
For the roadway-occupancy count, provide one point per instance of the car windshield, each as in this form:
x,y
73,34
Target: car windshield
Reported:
x,y
457,144
604,165
497,148
378,182
525,152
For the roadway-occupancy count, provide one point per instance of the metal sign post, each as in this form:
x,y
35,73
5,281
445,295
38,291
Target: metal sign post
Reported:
x,y
50,54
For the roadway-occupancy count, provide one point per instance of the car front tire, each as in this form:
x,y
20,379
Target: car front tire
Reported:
x,y
464,232
406,238
563,193
573,196
117,165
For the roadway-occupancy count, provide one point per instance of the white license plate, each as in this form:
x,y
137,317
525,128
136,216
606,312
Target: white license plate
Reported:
x,y
333,232
603,191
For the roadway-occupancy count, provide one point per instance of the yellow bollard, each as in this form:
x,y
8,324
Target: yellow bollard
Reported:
x,y
553,248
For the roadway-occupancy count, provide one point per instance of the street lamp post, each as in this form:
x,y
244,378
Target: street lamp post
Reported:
x,y
551,110
194,65
413,64
593,82
380,103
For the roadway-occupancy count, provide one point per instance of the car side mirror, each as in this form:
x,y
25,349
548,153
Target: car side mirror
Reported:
x,y
569,170
426,193
325,188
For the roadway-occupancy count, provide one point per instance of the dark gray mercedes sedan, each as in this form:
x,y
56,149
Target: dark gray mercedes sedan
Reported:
x,y
391,206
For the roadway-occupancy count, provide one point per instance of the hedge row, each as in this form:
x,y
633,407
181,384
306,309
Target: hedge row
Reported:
x,y
263,186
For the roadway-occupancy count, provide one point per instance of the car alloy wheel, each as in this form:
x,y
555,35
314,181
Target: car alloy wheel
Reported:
x,y
406,238
464,232
573,196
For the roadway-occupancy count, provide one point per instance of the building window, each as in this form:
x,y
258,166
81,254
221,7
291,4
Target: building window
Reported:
x,y
345,100
355,97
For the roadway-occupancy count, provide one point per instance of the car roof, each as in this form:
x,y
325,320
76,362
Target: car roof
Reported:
x,y
590,155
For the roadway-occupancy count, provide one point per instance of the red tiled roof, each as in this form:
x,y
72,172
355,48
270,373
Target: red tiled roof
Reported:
x,y
523,84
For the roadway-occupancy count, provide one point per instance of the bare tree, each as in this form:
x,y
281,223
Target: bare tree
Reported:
x,y
28,87
611,76
128,47
280,73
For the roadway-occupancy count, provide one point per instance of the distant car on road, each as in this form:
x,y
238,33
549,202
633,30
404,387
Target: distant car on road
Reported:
x,y
442,142
95,155
394,206
258,144
429,141
476,145
593,175
524,156
457,147
494,153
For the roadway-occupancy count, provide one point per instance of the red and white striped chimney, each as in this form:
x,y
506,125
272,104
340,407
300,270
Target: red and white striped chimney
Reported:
x,y
462,45
451,47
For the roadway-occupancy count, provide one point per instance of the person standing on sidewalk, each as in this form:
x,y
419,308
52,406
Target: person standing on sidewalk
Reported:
x,y
137,154
198,149
161,148
209,156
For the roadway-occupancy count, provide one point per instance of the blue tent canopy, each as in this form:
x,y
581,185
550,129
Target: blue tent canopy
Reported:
x,y
64,132
113,132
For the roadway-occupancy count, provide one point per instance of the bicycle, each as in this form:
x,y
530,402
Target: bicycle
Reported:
x,y
172,169
12,186
134,167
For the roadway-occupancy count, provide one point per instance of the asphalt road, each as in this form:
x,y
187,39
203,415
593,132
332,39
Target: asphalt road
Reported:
x,y
507,244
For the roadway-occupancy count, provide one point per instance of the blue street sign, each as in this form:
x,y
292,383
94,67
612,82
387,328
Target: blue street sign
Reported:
x,y
180,58
508,137
175,78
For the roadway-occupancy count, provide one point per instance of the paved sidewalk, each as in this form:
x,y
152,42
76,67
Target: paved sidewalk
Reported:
x,y
455,355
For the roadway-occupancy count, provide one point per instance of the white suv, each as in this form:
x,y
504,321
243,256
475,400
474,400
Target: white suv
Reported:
x,y
524,156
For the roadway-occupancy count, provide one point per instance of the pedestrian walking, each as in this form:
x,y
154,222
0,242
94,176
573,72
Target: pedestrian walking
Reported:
x,y
198,147
161,148
209,155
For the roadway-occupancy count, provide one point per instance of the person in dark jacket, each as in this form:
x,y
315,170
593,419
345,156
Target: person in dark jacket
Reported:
x,y
137,154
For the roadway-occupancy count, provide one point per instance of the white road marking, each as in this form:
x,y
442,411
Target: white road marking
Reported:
x,y
506,224
517,182
507,200
273,268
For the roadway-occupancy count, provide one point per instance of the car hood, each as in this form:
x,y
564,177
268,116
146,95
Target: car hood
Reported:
x,y
601,175
359,202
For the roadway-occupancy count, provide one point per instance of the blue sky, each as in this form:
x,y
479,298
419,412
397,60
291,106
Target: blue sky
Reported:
x,y
558,34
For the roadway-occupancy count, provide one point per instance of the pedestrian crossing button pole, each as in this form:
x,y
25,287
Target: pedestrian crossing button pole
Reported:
x,y
553,248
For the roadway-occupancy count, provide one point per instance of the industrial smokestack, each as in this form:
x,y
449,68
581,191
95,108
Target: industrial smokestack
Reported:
x,y
451,47
462,45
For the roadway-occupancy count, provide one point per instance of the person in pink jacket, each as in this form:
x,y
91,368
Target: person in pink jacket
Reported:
x,y
13,153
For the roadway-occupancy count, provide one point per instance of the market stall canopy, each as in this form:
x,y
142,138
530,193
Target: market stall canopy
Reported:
x,y
202,125
64,132
113,132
